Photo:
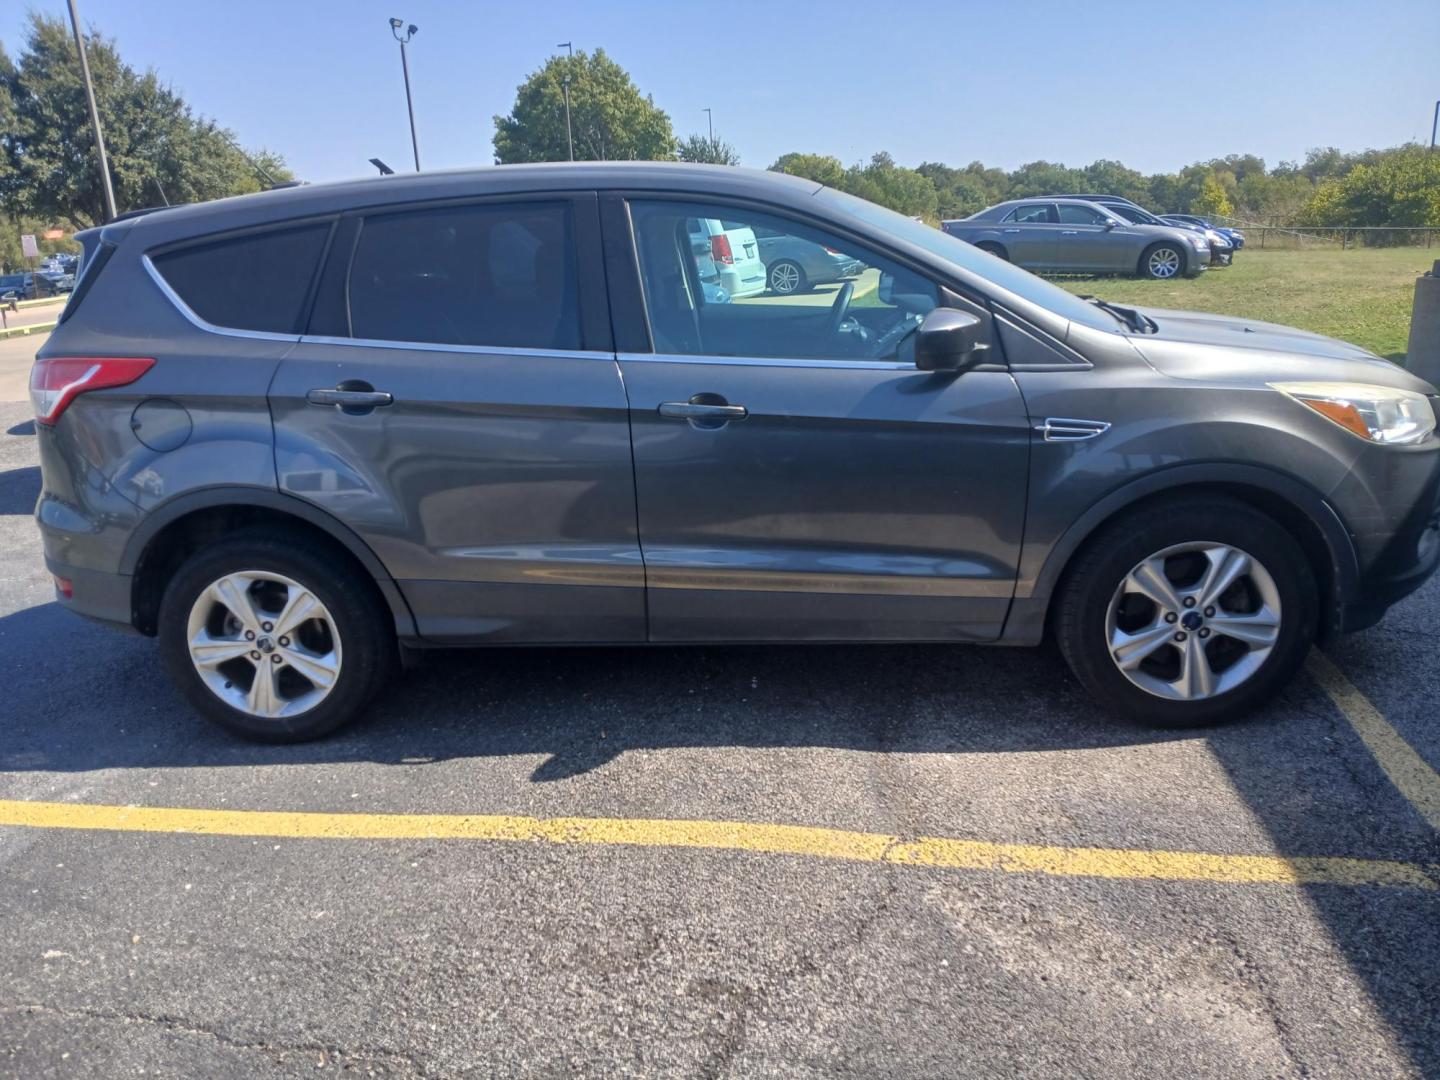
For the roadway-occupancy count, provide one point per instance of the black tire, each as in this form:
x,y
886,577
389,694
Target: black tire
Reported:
x,y
1096,574
1144,269
360,620
994,249
789,271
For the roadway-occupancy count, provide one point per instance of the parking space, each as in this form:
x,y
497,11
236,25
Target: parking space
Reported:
x,y
883,861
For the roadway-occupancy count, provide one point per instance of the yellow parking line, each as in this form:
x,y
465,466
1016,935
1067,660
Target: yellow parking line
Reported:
x,y
1407,770
840,844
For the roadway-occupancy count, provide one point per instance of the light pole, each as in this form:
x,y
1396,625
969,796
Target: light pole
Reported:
x,y
1433,124
565,86
94,114
396,26
710,119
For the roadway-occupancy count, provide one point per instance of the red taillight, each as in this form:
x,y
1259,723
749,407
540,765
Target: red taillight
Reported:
x,y
57,382
832,251
720,250
64,586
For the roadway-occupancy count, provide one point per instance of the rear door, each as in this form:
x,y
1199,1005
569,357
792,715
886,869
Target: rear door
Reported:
x,y
457,403
1030,234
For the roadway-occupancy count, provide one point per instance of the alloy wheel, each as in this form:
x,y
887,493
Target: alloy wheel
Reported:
x,y
1193,621
785,277
264,644
1163,262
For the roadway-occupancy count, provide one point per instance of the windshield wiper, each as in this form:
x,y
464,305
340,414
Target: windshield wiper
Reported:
x,y
1141,324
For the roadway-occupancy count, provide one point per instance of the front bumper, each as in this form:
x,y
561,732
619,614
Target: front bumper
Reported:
x,y
1398,538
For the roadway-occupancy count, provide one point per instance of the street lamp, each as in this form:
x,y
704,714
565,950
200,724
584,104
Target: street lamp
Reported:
x,y
396,28
710,119
565,86
1434,124
108,189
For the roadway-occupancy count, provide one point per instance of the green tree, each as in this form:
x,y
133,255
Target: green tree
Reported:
x,y
1212,200
1112,178
818,167
1044,178
708,151
963,191
159,150
901,189
610,118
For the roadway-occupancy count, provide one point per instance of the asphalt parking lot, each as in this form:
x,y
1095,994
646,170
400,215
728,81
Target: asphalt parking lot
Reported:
x,y
986,878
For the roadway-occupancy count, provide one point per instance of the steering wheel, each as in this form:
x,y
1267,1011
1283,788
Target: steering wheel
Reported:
x,y
840,308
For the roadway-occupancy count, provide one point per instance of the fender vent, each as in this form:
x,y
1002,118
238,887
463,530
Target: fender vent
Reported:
x,y
1060,429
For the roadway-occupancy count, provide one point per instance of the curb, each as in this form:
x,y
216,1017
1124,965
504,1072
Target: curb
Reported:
x,y
41,301
22,331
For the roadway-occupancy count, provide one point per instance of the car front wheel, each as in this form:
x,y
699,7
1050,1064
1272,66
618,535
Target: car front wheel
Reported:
x,y
1162,262
269,636
1187,613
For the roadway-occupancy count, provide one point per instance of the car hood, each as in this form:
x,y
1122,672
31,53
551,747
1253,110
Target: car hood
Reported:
x,y
1198,345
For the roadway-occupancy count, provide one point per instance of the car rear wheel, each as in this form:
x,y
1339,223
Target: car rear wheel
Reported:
x,y
787,277
1162,262
996,250
1190,612
268,636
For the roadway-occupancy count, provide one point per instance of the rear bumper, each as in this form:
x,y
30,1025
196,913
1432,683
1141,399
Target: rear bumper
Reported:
x,y
95,594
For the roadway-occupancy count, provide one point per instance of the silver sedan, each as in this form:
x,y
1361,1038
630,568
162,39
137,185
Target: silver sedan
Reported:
x,y
1073,235
793,264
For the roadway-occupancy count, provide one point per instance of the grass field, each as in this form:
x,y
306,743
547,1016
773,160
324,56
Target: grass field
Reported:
x,y
1359,296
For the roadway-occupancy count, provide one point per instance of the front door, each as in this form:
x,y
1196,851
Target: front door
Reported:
x,y
1030,233
797,478
457,403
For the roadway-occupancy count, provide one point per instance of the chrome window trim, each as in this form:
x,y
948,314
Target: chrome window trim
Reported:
x,y
477,350
766,361
199,323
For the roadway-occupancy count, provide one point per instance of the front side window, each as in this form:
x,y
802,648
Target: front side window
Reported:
x,y
1071,214
255,281
1032,214
725,282
499,275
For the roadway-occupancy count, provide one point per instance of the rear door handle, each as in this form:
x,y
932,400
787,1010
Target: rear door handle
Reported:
x,y
689,410
1069,232
1012,230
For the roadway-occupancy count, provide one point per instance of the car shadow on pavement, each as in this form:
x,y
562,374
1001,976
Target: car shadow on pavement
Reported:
x,y
19,488
579,707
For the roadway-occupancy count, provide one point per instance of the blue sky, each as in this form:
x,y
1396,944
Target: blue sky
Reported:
x,y
1156,85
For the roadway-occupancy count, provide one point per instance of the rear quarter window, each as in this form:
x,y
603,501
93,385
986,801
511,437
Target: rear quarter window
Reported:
x,y
257,281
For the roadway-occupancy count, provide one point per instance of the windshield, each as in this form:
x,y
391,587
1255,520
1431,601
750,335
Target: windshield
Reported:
x,y
1136,216
1006,275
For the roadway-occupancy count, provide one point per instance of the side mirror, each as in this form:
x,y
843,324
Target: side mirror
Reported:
x,y
949,340
1111,224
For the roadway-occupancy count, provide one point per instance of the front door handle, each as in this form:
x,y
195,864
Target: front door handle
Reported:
x,y
689,410
353,396
1011,230
705,412
1069,232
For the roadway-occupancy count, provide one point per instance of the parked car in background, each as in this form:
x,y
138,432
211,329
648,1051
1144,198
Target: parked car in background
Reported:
x,y
59,281
1221,250
728,255
1076,236
1235,236
794,265
29,286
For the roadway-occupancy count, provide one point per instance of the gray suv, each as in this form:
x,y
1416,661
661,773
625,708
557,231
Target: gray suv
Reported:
x,y
295,434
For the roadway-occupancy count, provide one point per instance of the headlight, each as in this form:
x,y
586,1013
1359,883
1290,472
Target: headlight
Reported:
x,y
1199,241
1214,237
1376,413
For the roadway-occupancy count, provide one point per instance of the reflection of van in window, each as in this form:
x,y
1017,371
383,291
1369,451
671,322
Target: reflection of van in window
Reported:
x,y
726,254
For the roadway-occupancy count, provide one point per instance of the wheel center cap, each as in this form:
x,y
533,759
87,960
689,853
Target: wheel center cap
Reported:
x,y
266,645
1191,620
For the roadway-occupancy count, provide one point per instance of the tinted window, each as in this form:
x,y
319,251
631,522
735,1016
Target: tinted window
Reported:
x,y
1032,213
500,275
779,289
1070,214
255,282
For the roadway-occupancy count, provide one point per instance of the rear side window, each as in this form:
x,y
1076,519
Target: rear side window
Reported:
x,y
259,281
501,275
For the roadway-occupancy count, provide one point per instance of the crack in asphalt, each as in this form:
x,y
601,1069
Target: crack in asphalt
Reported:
x,y
331,1053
